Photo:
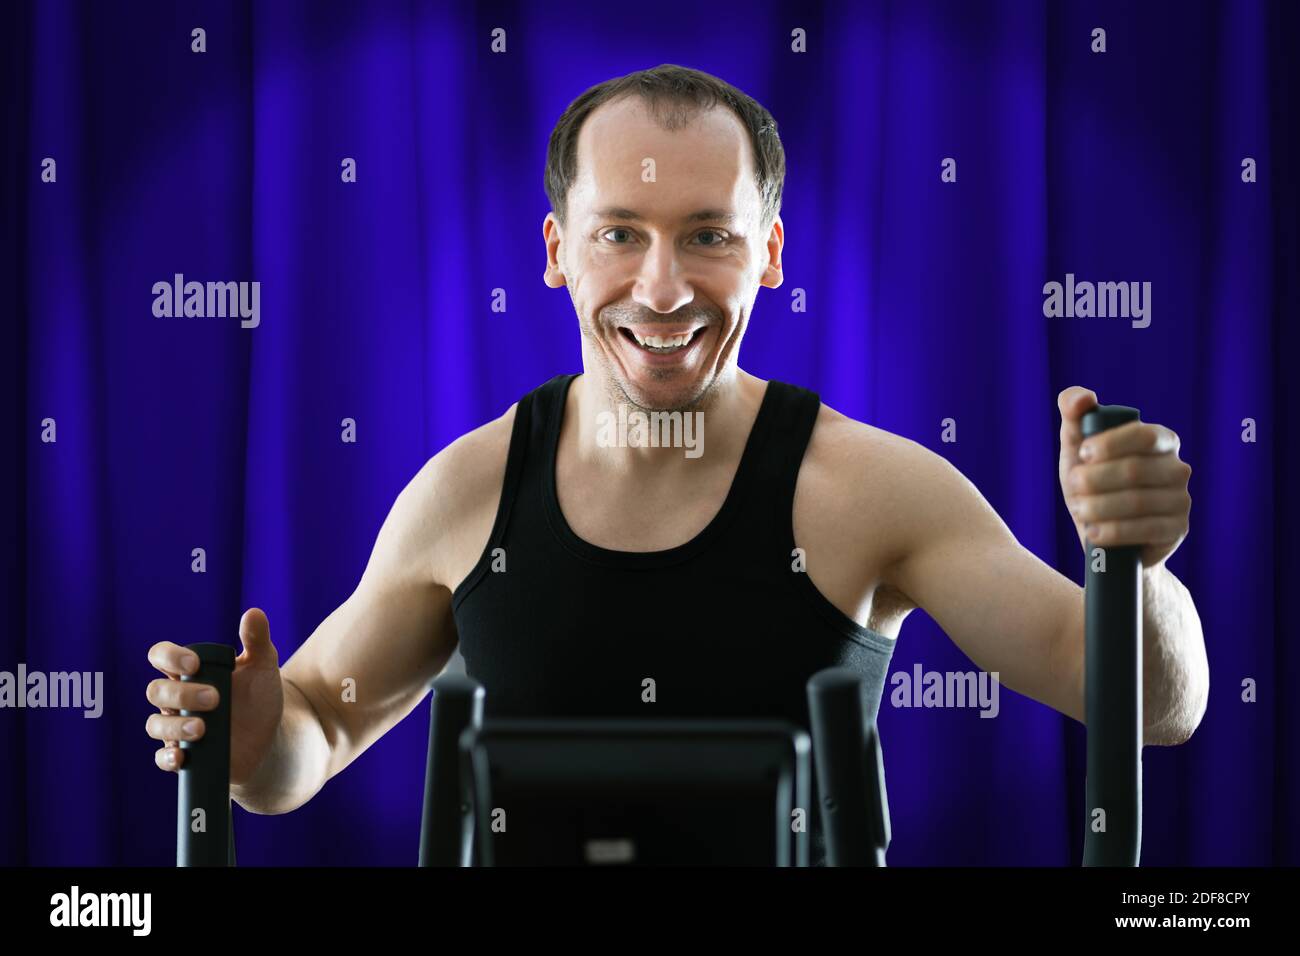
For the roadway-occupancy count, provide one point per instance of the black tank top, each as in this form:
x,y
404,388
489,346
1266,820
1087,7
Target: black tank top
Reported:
x,y
723,624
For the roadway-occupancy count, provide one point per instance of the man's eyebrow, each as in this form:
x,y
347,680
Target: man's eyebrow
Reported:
x,y
617,212
709,215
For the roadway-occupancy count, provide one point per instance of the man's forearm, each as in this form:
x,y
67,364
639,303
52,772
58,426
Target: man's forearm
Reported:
x,y
297,765
1176,673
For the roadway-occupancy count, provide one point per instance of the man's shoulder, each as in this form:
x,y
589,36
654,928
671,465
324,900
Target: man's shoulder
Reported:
x,y
480,453
463,471
455,494
872,476
854,450
468,451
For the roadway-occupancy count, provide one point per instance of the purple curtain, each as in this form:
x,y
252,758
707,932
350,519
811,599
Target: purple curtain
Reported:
x,y
924,302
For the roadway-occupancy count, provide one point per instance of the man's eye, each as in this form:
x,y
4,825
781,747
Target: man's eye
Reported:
x,y
717,240
616,232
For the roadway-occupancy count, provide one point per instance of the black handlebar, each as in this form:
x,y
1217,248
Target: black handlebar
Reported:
x,y
205,834
850,771
446,822
1113,688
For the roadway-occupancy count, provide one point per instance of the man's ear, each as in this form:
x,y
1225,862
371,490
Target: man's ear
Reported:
x,y
772,275
552,234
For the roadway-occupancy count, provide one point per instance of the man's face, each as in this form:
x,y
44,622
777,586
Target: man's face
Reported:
x,y
662,252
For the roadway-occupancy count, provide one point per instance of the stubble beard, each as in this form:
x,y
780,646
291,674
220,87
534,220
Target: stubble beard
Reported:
x,y
617,393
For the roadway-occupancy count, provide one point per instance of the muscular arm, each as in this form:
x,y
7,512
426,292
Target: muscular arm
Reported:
x,y
371,661
1012,614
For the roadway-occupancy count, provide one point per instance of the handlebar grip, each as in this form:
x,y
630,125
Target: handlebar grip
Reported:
x,y
1113,687
204,823
445,833
854,808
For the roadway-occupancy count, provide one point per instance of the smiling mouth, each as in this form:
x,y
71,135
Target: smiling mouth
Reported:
x,y
661,344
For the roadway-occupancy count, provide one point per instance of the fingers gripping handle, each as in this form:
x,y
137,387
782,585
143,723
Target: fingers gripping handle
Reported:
x,y
204,824
1112,687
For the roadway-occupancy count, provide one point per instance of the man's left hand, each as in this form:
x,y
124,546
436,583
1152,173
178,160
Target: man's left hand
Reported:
x,y
1124,486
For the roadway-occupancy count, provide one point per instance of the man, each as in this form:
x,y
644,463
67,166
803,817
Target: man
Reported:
x,y
581,576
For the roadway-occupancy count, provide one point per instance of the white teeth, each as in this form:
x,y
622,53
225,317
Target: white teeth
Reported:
x,y
662,342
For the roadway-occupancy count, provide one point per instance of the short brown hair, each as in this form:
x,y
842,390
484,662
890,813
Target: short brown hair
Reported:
x,y
675,94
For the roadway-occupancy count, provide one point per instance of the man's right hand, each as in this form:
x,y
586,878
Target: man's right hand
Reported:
x,y
257,688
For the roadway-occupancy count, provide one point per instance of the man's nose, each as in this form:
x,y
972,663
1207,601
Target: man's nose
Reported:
x,y
661,284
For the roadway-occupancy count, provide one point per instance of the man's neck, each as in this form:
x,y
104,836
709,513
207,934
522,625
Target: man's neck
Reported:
x,y
606,425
